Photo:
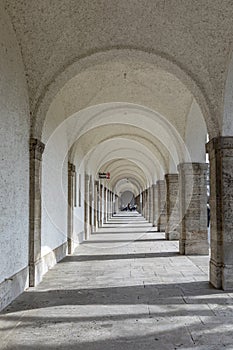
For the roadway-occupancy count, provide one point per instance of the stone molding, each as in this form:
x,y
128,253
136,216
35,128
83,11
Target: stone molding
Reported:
x,y
219,143
71,168
171,177
192,168
36,148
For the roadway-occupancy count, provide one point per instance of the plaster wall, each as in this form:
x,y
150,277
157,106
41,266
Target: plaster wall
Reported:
x,y
127,197
14,160
79,208
54,193
195,135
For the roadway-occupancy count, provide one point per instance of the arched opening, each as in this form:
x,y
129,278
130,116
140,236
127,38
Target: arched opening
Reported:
x,y
100,130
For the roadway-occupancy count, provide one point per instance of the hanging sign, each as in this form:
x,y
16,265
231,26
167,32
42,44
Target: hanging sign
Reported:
x,y
104,176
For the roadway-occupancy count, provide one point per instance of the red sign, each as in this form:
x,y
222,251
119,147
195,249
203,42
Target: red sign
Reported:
x,y
104,176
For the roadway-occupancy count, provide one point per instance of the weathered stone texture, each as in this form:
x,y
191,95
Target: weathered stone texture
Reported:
x,y
221,208
161,223
36,150
172,207
71,203
193,208
14,165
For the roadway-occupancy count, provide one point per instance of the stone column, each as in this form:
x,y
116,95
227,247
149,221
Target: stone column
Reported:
x,y
151,204
161,222
109,204
193,208
101,205
71,188
143,203
105,204
112,203
137,202
155,206
221,211
36,150
147,204
172,207
86,207
91,206
116,204
95,209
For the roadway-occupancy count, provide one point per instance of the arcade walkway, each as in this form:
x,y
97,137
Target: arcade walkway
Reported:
x,y
125,289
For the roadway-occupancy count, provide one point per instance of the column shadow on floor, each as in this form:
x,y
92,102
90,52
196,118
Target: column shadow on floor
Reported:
x,y
73,258
154,294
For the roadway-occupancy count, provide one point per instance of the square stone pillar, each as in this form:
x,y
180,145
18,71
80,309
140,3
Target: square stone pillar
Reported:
x,y
95,209
91,204
86,207
151,204
36,148
71,197
105,204
172,207
161,191
193,208
101,205
147,204
221,211
143,203
156,205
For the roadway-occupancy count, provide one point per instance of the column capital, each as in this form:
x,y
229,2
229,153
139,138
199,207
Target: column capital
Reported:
x,y
172,177
218,143
192,168
160,182
71,167
36,148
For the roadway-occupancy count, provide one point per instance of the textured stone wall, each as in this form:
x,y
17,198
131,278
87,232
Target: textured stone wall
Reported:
x,y
172,206
193,208
161,205
221,211
14,166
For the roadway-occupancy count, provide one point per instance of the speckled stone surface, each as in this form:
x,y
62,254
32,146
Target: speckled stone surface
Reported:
x,y
221,164
125,288
161,192
193,208
193,40
172,207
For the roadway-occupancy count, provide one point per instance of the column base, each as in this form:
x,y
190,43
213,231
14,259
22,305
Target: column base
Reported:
x,y
221,277
193,247
215,274
172,235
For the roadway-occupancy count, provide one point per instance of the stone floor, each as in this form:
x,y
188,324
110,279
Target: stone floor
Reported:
x,y
126,289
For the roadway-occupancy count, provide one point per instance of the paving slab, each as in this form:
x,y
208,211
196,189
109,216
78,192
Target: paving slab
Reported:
x,y
127,288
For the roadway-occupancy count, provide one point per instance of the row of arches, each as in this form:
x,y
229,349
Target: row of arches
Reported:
x,y
142,114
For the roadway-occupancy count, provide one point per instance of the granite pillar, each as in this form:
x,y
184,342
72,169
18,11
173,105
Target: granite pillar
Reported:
x,y
193,209
105,204
86,207
151,204
221,211
36,150
172,207
147,204
71,199
95,206
161,222
156,205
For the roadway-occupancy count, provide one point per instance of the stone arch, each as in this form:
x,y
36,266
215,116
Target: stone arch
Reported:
x,y
159,60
